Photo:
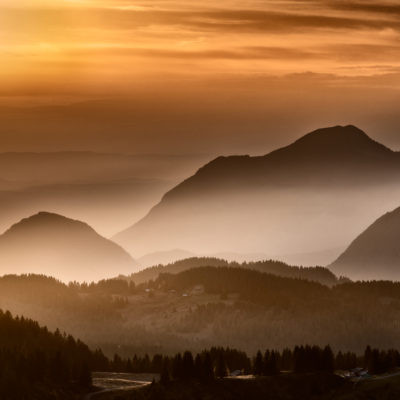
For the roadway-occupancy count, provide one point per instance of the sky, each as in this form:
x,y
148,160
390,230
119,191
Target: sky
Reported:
x,y
171,76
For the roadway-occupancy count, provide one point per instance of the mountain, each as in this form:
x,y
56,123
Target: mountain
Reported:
x,y
54,245
311,195
331,150
103,189
375,254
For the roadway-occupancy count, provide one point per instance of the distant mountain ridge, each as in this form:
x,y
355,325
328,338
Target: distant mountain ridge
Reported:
x,y
104,189
313,274
278,202
54,245
332,150
375,253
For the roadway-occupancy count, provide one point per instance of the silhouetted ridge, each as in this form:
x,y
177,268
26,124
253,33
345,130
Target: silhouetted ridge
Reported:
x,y
320,155
236,192
48,221
375,254
52,244
338,140
316,274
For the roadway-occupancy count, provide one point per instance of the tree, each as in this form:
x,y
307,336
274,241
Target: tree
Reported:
x,y
265,364
299,359
258,365
177,367
220,370
85,376
367,356
340,361
272,364
59,369
207,368
187,366
328,363
165,377
286,361
374,365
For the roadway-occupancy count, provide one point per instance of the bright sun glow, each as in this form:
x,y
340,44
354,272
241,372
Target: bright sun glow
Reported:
x,y
120,38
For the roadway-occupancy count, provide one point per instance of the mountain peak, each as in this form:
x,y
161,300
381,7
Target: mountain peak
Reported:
x,y
47,216
43,220
339,139
62,247
287,195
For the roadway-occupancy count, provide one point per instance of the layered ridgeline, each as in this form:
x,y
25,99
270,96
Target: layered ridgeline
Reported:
x,y
316,274
58,246
375,254
313,195
102,189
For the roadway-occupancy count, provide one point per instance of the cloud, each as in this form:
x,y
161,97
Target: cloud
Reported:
x,y
245,20
112,42
391,9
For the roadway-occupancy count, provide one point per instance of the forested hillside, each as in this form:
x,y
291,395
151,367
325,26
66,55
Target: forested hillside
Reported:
x,y
210,306
38,364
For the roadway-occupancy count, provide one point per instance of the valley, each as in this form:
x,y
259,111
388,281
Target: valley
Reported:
x,y
199,200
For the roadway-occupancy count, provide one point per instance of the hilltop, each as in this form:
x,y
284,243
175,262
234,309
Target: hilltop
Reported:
x,y
52,244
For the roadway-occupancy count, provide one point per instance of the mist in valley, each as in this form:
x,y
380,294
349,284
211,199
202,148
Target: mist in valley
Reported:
x,y
104,190
248,275
303,204
199,200
276,223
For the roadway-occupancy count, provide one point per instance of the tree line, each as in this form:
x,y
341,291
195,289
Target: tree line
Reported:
x,y
219,362
31,356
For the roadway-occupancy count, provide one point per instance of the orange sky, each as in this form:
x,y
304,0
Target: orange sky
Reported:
x,y
271,52
98,39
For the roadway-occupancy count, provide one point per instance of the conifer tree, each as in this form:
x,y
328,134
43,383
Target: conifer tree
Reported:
x,y
258,364
220,370
165,377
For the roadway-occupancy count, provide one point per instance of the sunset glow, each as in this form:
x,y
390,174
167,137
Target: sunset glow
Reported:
x,y
199,57
199,199
73,38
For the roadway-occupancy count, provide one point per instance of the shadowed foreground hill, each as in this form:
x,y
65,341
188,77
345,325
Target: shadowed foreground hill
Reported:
x,y
67,249
375,254
331,181
38,364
